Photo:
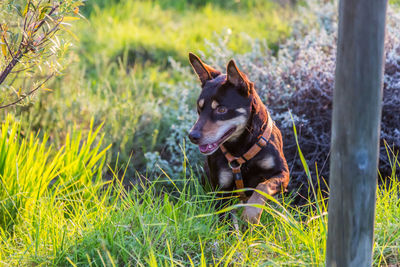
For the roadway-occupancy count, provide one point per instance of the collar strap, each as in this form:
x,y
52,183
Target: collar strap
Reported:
x,y
236,162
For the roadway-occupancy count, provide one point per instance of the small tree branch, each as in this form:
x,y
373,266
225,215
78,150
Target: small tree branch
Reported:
x,y
43,20
24,44
27,94
10,66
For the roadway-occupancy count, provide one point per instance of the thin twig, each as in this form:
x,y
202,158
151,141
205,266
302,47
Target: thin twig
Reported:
x,y
27,94
43,20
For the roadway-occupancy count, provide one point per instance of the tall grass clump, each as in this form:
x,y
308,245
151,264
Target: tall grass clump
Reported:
x,y
70,215
387,235
24,173
39,183
59,210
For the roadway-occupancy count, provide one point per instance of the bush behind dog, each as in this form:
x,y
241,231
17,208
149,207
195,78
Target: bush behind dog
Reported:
x,y
299,80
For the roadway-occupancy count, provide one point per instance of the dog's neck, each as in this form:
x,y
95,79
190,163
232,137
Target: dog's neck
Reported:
x,y
255,126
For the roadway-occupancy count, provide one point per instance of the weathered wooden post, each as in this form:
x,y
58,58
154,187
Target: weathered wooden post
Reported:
x,y
355,132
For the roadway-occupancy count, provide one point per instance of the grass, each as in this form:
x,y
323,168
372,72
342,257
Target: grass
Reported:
x,y
62,204
152,31
394,2
61,216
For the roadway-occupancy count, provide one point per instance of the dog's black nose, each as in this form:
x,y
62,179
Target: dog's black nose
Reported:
x,y
195,136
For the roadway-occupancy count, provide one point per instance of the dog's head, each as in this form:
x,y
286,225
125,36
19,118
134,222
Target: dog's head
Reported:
x,y
223,105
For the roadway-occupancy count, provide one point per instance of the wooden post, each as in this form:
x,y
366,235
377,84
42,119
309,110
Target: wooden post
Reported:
x,y
355,132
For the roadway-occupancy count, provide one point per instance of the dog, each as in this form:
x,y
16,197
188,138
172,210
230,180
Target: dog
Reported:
x,y
234,130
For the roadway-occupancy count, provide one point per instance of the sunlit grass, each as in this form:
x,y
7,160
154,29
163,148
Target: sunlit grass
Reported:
x,y
150,31
61,204
70,216
42,188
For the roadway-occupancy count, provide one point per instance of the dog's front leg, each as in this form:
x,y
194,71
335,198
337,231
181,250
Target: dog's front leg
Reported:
x,y
271,187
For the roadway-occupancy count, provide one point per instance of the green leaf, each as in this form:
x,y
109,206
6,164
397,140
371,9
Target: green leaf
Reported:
x,y
3,46
26,9
18,9
68,18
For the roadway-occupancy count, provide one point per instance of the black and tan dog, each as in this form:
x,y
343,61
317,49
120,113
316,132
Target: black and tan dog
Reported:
x,y
234,129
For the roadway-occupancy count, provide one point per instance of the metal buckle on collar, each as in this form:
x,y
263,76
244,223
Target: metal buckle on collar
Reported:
x,y
236,164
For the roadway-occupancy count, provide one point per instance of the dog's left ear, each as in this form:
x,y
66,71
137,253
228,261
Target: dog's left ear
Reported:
x,y
235,77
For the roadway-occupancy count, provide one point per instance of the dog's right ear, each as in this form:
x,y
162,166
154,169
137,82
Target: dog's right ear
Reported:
x,y
203,71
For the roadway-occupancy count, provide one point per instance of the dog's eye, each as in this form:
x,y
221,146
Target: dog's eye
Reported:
x,y
221,110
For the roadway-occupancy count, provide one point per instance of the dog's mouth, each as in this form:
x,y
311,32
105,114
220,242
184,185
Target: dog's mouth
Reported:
x,y
208,149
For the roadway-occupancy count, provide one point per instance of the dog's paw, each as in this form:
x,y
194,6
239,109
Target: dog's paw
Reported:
x,y
251,215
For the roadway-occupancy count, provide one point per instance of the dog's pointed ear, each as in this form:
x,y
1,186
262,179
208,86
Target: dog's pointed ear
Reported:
x,y
235,77
233,74
203,71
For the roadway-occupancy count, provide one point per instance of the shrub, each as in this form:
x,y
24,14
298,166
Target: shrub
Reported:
x,y
32,45
299,80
